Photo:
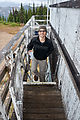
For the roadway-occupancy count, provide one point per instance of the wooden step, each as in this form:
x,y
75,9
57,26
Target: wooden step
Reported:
x,y
42,102
44,116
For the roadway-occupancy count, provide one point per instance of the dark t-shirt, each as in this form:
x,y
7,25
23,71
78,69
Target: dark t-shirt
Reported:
x,y
40,50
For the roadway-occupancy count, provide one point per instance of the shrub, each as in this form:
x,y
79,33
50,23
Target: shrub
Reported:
x,y
14,24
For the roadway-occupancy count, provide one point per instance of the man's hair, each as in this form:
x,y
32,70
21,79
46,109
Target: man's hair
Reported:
x,y
42,27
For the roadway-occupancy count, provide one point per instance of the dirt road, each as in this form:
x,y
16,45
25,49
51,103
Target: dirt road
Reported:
x,y
6,33
4,39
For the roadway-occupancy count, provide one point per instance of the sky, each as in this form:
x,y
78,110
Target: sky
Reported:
x,y
26,1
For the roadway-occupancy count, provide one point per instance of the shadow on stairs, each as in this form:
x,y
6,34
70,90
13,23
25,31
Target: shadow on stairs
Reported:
x,y
42,102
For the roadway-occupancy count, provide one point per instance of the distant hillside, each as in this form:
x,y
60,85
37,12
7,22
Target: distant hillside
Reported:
x,y
4,11
26,7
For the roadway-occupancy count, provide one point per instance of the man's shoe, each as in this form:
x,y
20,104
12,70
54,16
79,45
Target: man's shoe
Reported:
x,y
35,78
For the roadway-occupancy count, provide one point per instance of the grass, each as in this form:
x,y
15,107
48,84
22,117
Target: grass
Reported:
x,y
10,27
12,24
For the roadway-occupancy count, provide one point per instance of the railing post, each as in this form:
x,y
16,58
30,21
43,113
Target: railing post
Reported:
x,y
32,24
26,42
47,10
33,19
31,27
16,87
19,85
2,110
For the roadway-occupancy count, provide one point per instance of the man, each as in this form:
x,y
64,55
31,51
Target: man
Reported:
x,y
42,48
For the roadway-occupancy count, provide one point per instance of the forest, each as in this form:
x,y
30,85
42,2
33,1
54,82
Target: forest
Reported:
x,y
22,15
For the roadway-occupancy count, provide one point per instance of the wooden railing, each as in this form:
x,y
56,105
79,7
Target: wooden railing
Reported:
x,y
13,60
5,99
14,66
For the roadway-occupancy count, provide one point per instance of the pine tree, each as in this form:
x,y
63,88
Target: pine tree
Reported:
x,y
26,16
45,10
22,14
44,13
29,13
0,18
37,12
15,15
10,18
41,9
33,9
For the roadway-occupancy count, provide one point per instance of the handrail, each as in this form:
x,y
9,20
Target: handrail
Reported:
x,y
15,60
73,69
15,65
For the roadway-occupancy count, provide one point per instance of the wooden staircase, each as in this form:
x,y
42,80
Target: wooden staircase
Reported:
x,y
42,102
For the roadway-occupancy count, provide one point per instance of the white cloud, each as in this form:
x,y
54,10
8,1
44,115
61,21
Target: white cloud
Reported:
x,y
26,1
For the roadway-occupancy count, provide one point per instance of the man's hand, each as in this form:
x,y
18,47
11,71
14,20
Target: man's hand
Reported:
x,y
29,52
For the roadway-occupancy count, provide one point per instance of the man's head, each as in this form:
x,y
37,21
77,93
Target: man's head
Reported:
x,y
43,27
42,31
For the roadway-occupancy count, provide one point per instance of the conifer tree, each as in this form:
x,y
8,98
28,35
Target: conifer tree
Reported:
x,y
33,9
10,18
16,16
44,10
26,16
0,18
45,13
22,14
13,12
29,13
41,9
37,12
3,19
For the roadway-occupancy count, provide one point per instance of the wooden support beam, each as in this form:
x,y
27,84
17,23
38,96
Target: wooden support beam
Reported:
x,y
3,72
7,108
67,4
5,91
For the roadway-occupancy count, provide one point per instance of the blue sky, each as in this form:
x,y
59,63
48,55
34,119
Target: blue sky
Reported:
x,y
26,1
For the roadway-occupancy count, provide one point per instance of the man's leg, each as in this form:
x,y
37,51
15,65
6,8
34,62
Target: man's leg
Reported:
x,y
42,69
34,68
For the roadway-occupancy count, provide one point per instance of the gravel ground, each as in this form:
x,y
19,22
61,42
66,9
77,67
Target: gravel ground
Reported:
x,y
4,39
6,33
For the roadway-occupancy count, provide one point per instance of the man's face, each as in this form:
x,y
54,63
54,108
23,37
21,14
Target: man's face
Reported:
x,y
42,33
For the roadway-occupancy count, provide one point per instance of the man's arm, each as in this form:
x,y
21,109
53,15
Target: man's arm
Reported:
x,y
30,45
51,48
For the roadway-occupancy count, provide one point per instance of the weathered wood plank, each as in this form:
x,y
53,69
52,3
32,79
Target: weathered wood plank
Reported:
x,y
41,99
13,117
44,110
44,87
67,4
3,72
7,108
45,116
5,91
42,102
42,105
